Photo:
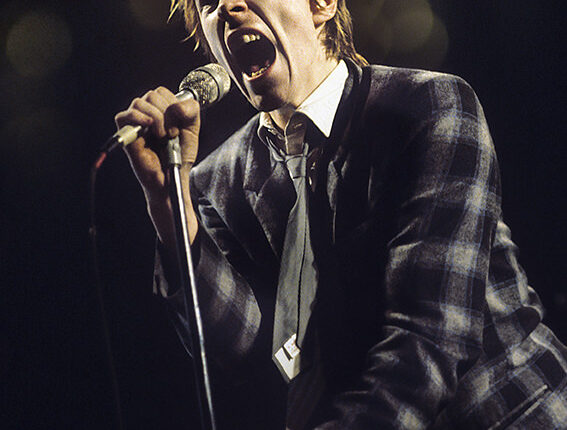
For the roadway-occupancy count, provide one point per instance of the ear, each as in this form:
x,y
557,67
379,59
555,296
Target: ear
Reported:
x,y
323,11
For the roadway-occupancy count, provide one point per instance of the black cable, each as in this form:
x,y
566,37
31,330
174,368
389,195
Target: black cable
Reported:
x,y
98,286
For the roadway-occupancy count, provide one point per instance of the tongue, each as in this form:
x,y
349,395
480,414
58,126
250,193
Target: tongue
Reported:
x,y
253,68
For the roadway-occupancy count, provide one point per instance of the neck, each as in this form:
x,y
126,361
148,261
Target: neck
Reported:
x,y
282,115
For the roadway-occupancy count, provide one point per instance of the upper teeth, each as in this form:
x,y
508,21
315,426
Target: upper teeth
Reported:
x,y
247,38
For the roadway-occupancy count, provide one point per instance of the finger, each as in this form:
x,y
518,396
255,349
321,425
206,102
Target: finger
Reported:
x,y
140,112
166,94
182,115
132,117
161,98
154,109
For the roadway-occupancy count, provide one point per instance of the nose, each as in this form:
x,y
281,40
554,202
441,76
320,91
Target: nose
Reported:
x,y
231,10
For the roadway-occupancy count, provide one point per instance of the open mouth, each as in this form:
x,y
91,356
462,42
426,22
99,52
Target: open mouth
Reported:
x,y
253,52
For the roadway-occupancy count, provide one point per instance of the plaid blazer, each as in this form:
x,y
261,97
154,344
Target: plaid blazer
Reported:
x,y
424,317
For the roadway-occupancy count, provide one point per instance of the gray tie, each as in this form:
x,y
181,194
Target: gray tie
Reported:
x,y
297,278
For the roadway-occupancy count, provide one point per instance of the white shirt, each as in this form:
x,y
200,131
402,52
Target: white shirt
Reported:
x,y
320,107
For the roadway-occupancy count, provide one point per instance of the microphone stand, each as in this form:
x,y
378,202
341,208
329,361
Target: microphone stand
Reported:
x,y
189,286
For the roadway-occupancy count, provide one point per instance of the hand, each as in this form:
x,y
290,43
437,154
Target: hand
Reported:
x,y
165,117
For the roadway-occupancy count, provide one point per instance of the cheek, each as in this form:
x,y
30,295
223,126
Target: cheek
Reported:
x,y
216,45
212,38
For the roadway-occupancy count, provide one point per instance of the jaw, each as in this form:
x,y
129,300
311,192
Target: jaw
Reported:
x,y
259,67
270,91
252,51
251,55
263,70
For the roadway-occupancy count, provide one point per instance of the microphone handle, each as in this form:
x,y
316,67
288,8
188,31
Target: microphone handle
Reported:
x,y
129,133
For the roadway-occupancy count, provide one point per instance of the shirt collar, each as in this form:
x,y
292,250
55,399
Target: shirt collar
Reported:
x,y
320,106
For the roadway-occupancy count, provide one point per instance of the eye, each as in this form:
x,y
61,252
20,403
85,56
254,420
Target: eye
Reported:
x,y
205,5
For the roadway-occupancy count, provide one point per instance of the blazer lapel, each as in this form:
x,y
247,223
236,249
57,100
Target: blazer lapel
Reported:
x,y
343,137
269,191
364,152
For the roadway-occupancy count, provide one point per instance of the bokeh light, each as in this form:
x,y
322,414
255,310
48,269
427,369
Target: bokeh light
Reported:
x,y
411,21
400,32
43,139
150,13
38,44
432,54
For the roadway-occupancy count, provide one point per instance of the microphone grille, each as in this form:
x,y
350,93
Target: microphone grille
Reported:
x,y
208,83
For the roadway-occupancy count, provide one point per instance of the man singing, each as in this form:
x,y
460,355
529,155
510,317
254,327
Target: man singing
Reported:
x,y
353,268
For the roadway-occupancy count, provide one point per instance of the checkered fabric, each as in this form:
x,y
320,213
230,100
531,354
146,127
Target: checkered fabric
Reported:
x,y
435,319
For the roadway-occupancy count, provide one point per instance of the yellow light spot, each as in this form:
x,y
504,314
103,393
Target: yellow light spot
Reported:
x,y
38,43
411,25
150,13
432,54
400,32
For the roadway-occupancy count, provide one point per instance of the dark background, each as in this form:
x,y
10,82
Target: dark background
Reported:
x,y
53,368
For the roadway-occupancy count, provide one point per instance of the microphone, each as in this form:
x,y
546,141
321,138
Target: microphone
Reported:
x,y
206,84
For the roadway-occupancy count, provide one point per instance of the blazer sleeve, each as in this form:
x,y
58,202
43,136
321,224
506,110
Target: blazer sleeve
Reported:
x,y
437,264
229,310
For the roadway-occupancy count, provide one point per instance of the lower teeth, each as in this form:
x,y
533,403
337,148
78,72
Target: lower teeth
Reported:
x,y
258,72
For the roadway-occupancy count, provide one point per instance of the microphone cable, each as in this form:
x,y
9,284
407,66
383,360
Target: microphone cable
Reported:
x,y
206,84
99,291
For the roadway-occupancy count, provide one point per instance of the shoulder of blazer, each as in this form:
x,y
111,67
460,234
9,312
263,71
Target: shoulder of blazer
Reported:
x,y
397,102
412,93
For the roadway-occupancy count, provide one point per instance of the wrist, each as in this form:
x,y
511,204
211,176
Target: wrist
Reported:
x,y
161,214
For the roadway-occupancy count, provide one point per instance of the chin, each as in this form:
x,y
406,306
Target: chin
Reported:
x,y
266,102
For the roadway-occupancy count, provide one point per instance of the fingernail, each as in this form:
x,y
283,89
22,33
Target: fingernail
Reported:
x,y
173,132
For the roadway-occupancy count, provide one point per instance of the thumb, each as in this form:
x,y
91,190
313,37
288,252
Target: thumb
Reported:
x,y
183,119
